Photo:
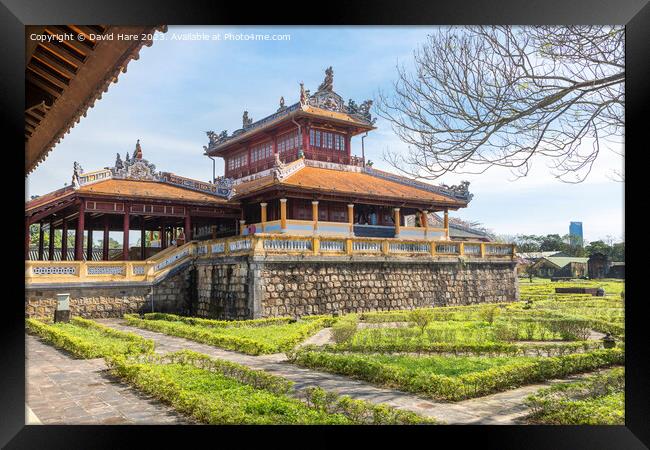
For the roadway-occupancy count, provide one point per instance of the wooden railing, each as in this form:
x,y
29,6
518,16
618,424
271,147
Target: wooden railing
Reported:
x,y
259,244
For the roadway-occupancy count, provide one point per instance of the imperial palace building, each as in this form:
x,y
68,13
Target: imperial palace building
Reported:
x,y
296,225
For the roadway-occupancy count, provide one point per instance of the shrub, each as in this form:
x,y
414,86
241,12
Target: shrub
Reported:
x,y
505,332
489,313
345,329
421,318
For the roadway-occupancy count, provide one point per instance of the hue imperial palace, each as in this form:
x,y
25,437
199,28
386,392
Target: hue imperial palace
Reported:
x,y
298,224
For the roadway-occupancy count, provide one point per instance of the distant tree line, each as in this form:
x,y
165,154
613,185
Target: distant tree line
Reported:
x,y
527,243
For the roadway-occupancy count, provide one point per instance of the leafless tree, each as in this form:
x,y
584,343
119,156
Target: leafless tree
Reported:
x,y
479,97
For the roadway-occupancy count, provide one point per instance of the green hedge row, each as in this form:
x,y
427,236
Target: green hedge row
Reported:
x,y
318,406
217,323
464,386
236,343
84,348
477,349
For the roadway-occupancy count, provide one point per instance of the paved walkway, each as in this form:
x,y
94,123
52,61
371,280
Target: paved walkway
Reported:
x,y
501,408
64,390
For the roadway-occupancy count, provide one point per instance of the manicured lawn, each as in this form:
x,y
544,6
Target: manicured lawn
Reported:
x,y
88,339
443,365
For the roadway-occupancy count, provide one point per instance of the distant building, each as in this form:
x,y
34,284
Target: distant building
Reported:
x,y
561,266
575,234
601,266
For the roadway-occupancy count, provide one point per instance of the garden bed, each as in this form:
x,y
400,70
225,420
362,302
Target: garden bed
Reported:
x,y
88,339
256,339
596,400
454,378
214,391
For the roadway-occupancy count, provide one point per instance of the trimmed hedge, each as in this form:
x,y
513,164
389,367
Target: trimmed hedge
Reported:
x,y
477,349
206,335
317,405
464,386
85,348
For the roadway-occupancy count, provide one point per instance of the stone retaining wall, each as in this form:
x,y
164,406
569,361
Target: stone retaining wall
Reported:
x,y
321,288
98,301
244,288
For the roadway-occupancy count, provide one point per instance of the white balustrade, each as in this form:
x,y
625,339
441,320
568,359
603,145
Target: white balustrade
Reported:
x,y
409,247
447,249
472,249
289,245
239,245
332,246
365,246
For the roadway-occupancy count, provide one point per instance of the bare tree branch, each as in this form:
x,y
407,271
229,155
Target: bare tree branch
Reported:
x,y
479,97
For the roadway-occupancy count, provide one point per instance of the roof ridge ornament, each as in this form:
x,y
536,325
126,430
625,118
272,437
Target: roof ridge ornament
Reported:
x,y
328,82
76,172
137,153
304,95
246,121
282,105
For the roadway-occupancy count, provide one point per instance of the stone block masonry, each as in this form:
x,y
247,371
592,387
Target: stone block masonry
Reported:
x,y
240,288
96,300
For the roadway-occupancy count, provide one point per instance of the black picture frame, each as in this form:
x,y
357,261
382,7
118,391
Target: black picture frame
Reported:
x,y
15,14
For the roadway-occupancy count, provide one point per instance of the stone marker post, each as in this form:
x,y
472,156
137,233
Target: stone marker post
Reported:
x,y
62,313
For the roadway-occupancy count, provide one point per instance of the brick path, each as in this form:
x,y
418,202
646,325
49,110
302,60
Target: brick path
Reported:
x,y
501,408
64,390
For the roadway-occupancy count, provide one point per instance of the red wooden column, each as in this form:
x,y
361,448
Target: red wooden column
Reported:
x,y
305,138
41,239
348,149
50,247
27,239
125,239
163,234
105,238
79,234
64,240
89,244
188,227
143,235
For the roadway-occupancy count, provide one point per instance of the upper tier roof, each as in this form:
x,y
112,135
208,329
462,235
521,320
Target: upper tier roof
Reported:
x,y
324,104
330,178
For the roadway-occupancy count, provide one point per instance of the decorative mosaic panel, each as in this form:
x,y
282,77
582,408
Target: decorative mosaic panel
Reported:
x,y
55,270
138,270
219,248
498,250
106,270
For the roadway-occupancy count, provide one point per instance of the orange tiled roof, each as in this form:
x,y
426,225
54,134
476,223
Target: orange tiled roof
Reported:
x,y
344,182
312,110
147,189
54,195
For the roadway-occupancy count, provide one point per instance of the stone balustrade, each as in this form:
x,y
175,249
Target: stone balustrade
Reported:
x,y
261,245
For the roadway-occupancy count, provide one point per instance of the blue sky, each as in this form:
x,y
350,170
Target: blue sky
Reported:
x,y
178,89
